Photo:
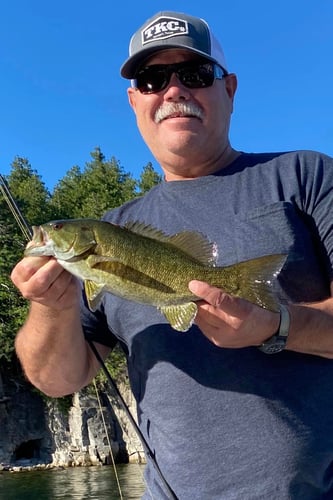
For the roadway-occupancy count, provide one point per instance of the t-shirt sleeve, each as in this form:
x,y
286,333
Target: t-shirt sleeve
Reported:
x,y
318,202
95,325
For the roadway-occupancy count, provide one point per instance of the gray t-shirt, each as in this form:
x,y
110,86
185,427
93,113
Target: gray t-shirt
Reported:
x,y
235,423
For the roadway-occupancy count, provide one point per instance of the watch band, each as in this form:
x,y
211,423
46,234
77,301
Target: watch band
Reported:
x,y
278,341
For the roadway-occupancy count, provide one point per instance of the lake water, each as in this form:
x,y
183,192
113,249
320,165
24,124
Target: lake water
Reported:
x,y
86,483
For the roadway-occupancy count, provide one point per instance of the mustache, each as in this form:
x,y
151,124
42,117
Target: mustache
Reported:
x,y
177,109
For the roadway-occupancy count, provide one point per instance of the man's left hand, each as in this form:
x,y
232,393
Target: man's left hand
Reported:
x,y
229,321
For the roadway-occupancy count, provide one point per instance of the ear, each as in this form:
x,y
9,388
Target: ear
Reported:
x,y
231,85
131,94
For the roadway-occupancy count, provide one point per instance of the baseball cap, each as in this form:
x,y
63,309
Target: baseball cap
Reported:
x,y
169,30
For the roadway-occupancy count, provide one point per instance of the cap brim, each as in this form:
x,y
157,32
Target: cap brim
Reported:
x,y
132,64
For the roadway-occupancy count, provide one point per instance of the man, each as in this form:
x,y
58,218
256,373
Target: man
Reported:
x,y
240,406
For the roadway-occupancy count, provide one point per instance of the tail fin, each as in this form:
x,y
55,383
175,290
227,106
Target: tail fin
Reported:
x,y
255,280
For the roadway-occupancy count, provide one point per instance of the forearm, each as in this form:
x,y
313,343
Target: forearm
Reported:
x,y
53,352
311,328
235,323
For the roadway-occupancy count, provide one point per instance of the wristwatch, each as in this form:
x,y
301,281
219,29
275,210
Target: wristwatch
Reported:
x,y
278,341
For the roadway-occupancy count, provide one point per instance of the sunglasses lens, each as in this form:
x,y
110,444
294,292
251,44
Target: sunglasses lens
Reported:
x,y
192,74
152,79
197,76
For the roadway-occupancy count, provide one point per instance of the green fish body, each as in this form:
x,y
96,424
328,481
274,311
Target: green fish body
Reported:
x,y
142,264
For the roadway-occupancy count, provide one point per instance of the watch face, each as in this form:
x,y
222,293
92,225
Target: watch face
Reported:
x,y
273,345
273,348
278,341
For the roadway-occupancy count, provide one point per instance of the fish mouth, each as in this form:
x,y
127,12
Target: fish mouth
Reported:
x,y
39,244
39,236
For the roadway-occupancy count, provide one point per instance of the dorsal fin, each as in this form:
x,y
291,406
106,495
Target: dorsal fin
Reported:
x,y
146,230
192,243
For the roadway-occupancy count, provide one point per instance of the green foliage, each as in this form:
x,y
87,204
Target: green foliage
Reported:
x,y
116,365
102,185
31,197
63,404
11,239
29,191
66,200
117,368
12,314
148,178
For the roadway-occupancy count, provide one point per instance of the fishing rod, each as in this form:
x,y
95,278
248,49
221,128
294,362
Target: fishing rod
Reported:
x,y
27,232
21,222
143,440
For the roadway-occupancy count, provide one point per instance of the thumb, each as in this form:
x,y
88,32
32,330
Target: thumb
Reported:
x,y
211,294
234,306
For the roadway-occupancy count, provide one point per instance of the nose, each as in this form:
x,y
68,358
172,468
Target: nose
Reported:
x,y
175,90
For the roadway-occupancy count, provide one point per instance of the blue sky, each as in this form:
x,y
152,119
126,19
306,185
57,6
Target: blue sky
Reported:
x,y
62,94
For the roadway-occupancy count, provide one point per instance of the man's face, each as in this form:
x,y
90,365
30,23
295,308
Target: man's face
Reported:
x,y
185,128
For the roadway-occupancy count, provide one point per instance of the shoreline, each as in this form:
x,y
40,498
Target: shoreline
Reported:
x,y
24,466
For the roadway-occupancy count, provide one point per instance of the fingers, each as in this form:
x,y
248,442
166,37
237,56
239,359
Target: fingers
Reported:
x,y
43,280
217,299
35,273
230,321
210,294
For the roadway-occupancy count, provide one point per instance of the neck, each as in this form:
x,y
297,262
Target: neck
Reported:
x,y
187,172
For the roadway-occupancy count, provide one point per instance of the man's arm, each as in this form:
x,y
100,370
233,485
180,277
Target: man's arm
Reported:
x,y
51,345
232,322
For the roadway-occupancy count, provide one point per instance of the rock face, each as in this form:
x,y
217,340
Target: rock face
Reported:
x,y
94,430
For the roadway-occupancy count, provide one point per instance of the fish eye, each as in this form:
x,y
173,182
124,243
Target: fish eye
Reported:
x,y
57,226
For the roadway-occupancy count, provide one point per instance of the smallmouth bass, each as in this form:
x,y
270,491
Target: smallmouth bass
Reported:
x,y
142,264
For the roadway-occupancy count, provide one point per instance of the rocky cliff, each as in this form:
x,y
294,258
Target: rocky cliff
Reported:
x,y
91,429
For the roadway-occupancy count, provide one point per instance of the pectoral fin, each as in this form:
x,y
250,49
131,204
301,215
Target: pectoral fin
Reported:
x,y
94,293
180,317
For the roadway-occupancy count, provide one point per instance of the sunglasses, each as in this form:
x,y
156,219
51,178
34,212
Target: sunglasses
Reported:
x,y
191,74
